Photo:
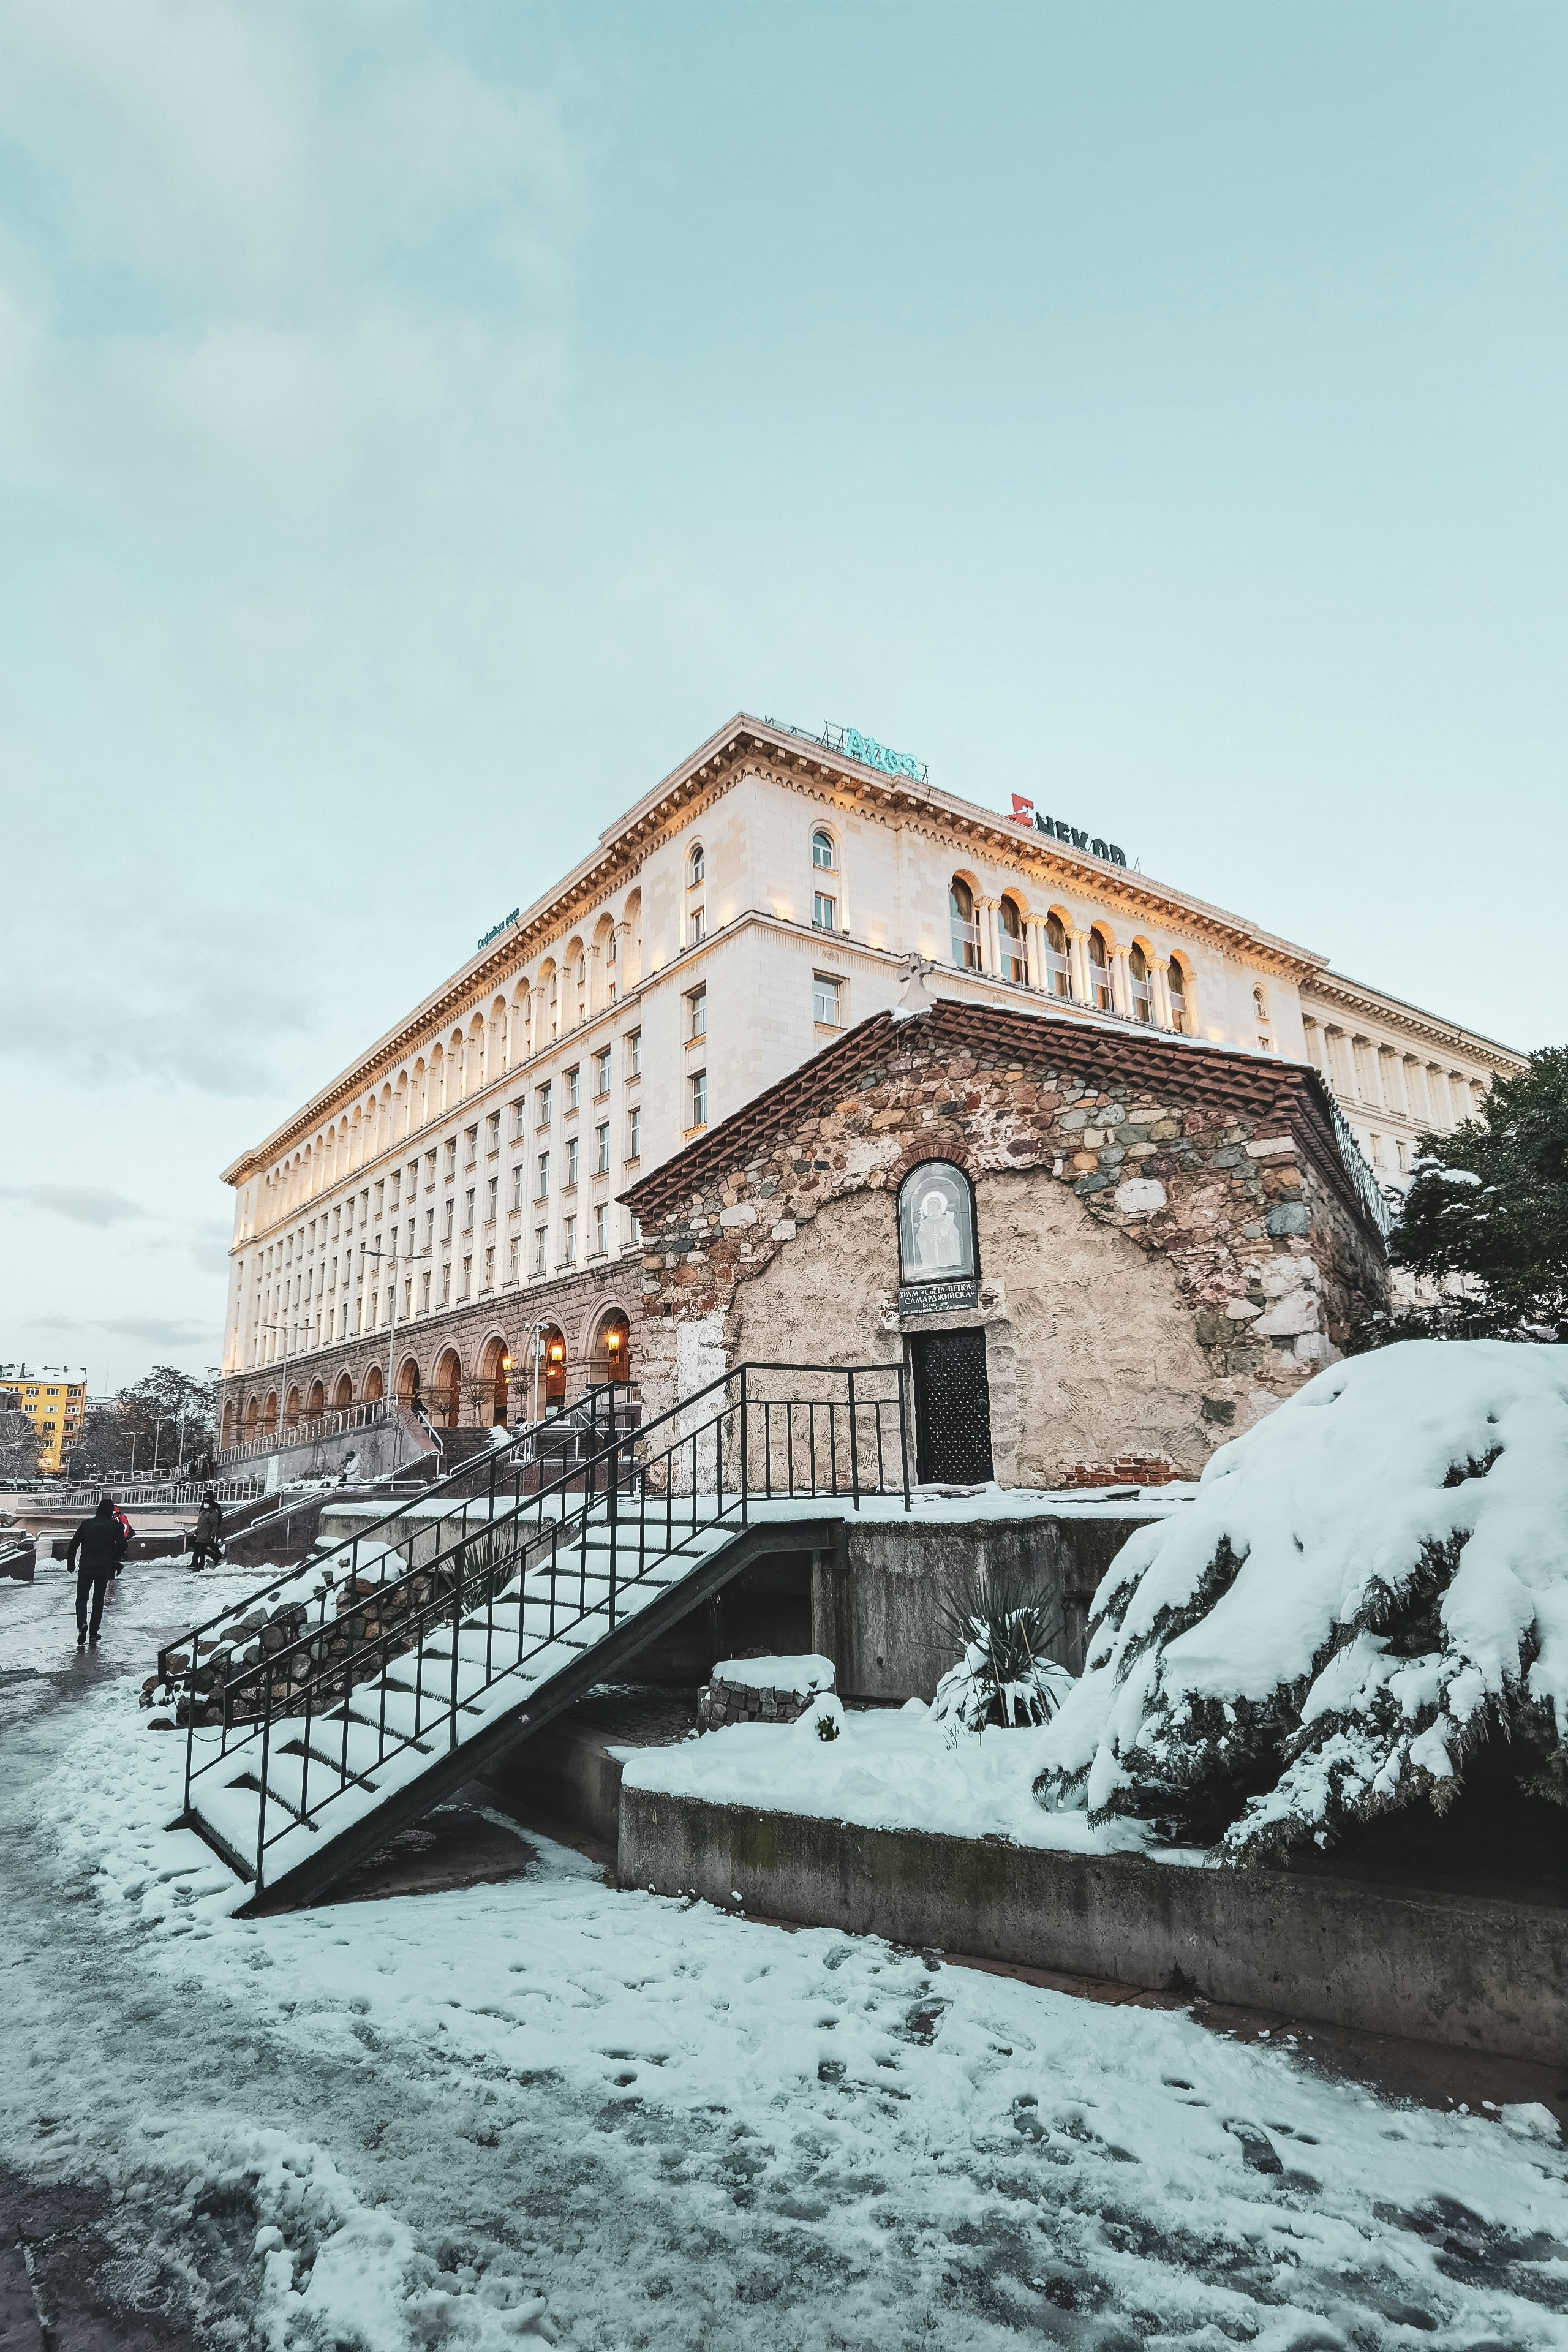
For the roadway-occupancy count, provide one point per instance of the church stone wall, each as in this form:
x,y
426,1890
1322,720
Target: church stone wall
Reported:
x,y
1156,1275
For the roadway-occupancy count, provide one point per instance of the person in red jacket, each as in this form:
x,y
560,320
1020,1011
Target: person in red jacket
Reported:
x,y
99,1545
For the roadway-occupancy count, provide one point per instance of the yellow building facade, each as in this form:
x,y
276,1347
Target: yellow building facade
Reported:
x,y
54,1406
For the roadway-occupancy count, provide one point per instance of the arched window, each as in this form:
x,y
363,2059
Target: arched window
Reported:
x,y
822,851
965,931
1015,965
1059,963
936,1225
1142,994
695,865
1176,984
1261,1008
1099,973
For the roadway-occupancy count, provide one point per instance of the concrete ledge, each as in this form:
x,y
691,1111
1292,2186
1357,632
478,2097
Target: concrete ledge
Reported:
x,y
1471,1973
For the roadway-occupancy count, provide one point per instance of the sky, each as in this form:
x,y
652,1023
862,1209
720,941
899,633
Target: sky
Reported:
x,y
420,427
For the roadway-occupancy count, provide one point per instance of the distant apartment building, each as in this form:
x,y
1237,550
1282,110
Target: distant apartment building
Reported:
x,y
446,1209
52,1402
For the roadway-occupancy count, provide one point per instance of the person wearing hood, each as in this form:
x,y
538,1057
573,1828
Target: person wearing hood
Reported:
x,y
208,1534
95,1551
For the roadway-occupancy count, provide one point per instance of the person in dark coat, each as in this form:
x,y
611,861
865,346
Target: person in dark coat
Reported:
x,y
95,1551
208,1533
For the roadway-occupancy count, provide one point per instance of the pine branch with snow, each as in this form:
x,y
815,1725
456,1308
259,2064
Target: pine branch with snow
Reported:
x,y
1369,1583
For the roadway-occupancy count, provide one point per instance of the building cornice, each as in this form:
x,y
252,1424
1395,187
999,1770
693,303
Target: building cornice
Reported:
x,y
1353,999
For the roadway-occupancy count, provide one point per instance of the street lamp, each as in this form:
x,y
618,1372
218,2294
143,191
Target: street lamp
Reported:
x,y
366,1251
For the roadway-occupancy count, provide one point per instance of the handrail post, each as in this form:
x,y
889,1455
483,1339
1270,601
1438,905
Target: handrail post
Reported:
x,y
904,1438
262,1775
854,1447
745,1482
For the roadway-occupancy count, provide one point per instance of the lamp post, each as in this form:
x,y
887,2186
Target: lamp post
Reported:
x,y
366,1251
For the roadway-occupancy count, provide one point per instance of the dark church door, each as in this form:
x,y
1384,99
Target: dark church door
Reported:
x,y
952,1409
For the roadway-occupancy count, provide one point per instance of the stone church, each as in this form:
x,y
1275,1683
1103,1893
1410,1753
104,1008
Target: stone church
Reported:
x,y
1097,1252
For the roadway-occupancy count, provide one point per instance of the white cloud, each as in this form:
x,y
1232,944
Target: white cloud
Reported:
x,y
82,1204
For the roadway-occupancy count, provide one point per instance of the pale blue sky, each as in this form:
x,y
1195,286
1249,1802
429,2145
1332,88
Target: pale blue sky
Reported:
x,y
421,425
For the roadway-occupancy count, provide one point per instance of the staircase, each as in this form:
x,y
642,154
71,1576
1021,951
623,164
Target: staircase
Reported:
x,y
421,1650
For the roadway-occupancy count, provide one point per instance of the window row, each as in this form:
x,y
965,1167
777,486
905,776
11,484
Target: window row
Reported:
x,y
1082,969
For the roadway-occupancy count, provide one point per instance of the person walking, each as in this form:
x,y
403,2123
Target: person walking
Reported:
x,y
99,1544
208,1534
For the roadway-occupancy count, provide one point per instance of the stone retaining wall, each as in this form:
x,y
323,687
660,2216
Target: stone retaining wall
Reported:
x,y
1473,1973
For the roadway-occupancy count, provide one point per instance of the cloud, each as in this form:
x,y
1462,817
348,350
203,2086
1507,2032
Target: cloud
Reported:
x,y
83,1205
161,1331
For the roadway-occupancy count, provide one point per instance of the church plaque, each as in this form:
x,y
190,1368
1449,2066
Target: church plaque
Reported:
x,y
937,1297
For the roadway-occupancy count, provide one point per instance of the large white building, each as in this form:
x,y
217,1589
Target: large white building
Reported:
x,y
449,1200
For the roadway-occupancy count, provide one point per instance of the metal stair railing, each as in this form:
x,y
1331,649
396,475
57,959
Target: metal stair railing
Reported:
x,y
517,1459
307,1429
637,1506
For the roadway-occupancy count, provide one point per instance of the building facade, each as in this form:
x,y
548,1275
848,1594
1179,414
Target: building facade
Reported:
x,y
1088,1253
446,1213
52,1402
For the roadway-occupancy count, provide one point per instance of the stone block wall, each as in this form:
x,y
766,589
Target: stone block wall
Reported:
x,y
1170,1244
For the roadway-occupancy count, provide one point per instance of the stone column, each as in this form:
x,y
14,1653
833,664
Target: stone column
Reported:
x,y
985,924
1035,951
1077,963
1121,982
1160,995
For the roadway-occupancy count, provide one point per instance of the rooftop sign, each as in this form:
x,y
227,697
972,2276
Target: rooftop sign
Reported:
x,y
497,928
855,746
1026,812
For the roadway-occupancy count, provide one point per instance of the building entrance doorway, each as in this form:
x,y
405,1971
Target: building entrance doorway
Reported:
x,y
952,1409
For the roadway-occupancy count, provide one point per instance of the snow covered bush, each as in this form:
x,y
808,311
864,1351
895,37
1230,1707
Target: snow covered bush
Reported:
x,y
1367,1584
1004,1627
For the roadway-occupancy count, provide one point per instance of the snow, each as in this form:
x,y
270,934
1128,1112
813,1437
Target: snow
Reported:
x,y
891,1768
547,2109
1289,1598
800,1675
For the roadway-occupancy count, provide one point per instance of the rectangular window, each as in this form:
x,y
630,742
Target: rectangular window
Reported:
x,y
633,1132
542,1104
602,1148
411,1236
451,1210
602,1229
697,1014
413,1178
513,1248
570,1176
602,1071
425,1294
396,1183
490,1190
824,1001
429,1228
569,1242
634,1055
517,1186
573,1082
451,1155
699,926
446,1285
489,1269
698,1106
429,1171
467,1280
493,1137
542,1178
824,911
471,1138
469,1210
541,1235
519,1118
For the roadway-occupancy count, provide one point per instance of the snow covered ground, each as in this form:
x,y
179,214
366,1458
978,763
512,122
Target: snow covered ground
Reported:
x,y
894,1769
545,2109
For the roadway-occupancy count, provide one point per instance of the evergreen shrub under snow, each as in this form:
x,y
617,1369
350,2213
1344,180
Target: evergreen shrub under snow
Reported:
x,y
1366,1584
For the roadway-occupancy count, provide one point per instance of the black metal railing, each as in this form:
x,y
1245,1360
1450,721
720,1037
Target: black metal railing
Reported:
x,y
515,1577
508,1465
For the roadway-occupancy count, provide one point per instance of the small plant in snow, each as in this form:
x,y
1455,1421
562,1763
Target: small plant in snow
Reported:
x,y
1370,1582
1005,1627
